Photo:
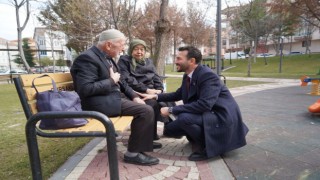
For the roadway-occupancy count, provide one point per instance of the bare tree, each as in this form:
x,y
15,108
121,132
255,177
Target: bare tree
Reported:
x,y
145,29
115,13
177,17
308,28
197,32
81,20
125,15
21,4
131,17
284,22
309,10
253,22
162,32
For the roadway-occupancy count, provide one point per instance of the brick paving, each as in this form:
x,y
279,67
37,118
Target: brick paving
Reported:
x,y
283,143
173,164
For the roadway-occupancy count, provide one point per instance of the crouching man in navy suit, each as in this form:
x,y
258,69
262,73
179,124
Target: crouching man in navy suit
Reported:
x,y
209,117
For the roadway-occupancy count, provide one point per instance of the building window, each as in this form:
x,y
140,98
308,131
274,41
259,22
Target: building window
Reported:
x,y
43,52
306,43
224,42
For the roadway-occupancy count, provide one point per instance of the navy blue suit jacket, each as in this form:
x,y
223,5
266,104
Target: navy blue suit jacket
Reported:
x,y
91,77
224,129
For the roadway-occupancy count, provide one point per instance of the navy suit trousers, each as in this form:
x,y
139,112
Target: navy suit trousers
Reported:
x,y
190,125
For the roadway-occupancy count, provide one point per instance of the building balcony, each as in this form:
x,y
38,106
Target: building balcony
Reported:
x,y
301,37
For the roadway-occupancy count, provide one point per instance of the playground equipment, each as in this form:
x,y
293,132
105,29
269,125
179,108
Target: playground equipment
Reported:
x,y
315,108
315,86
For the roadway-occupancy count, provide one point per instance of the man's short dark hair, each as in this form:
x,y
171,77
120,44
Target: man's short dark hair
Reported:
x,y
193,52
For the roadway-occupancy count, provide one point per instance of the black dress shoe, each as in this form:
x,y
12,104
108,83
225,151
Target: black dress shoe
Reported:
x,y
175,137
198,156
141,159
157,145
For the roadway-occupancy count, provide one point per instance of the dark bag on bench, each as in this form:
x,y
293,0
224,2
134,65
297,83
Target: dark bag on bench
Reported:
x,y
54,100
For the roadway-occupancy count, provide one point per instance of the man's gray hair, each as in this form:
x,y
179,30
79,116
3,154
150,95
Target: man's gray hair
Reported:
x,y
110,35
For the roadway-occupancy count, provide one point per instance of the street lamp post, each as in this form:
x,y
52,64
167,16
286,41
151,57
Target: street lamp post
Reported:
x,y
230,57
218,26
39,59
9,62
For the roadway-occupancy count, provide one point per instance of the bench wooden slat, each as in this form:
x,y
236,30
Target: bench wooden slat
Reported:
x,y
31,92
58,78
64,82
33,107
120,124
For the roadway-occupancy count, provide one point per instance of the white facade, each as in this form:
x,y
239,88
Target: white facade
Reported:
x,y
51,44
296,43
6,55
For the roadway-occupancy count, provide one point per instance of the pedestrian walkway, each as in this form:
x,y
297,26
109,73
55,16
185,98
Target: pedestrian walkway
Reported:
x,y
272,152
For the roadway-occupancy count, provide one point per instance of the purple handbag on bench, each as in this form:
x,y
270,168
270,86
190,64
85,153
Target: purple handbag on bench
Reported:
x,y
54,100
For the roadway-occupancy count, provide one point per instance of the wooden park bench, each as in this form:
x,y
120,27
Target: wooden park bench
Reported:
x,y
98,125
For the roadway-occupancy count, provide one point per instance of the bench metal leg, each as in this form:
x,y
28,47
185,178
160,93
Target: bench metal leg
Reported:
x,y
33,149
31,134
112,157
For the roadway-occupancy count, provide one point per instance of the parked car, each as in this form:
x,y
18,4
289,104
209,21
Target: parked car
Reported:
x,y
235,55
265,55
58,69
14,71
295,53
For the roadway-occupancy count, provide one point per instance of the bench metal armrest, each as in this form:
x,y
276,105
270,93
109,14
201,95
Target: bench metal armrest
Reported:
x,y
32,131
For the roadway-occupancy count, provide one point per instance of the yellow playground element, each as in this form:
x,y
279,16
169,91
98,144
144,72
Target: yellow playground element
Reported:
x,y
315,84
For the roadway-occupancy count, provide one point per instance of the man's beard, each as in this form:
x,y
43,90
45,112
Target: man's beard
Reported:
x,y
116,59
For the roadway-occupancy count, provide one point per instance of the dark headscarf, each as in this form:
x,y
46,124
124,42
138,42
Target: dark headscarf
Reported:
x,y
134,43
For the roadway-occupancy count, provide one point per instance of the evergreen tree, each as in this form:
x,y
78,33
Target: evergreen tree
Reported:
x,y
18,60
27,52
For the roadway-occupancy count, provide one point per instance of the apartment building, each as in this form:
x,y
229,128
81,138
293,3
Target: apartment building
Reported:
x,y
51,44
305,35
7,56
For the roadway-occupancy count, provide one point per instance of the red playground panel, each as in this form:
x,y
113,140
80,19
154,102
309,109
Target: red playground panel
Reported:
x,y
315,108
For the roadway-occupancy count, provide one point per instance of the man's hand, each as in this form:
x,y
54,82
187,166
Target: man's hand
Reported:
x,y
138,100
147,96
164,111
153,91
114,75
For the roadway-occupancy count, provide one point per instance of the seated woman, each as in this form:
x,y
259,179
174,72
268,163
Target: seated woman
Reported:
x,y
140,74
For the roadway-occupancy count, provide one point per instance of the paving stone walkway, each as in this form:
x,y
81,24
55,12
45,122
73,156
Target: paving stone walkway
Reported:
x,y
283,143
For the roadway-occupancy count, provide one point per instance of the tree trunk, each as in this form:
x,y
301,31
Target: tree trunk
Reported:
x,y
265,46
249,60
162,32
255,47
20,29
174,51
113,13
290,43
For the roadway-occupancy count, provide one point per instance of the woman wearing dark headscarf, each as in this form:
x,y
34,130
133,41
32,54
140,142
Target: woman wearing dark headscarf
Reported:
x,y
140,74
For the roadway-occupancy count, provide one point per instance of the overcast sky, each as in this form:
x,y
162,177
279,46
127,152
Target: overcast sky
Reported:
x,y
8,25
